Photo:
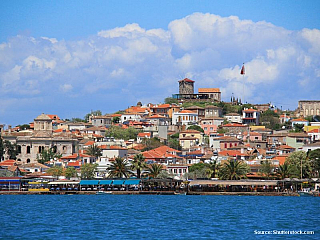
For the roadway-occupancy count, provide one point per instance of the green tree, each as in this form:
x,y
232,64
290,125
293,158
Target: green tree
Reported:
x,y
295,159
116,120
155,169
2,148
119,133
298,127
314,158
151,143
200,170
119,168
174,143
93,113
170,100
24,127
139,164
48,154
196,127
55,171
70,172
94,150
233,170
12,149
88,170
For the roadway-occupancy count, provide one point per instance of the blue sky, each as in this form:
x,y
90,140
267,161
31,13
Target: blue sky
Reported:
x,y
71,57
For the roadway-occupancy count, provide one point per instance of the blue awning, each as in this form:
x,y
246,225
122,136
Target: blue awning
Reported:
x,y
89,182
118,182
132,182
105,182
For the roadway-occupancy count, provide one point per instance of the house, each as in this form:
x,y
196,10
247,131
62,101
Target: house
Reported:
x,y
210,125
233,117
300,121
223,143
143,135
131,117
252,136
235,129
190,138
83,158
184,117
277,139
99,121
164,155
199,110
250,116
34,167
113,151
298,140
164,109
311,147
314,134
177,169
212,111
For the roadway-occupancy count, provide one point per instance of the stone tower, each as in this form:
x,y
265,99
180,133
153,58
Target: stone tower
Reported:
x,y
43,125
186,86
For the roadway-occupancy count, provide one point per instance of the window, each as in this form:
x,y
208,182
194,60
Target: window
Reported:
x,y
28,160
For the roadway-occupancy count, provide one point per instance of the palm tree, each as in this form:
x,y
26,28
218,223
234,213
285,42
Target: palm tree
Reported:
x,y
285,170
119,168
139,164
266,169
233,170
214,167
154,169
94,150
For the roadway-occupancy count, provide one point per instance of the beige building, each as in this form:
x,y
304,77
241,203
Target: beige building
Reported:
x,y
213,93
32,143
308,108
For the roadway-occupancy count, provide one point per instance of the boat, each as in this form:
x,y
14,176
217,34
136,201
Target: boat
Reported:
x,y
180,193
103,192
305,192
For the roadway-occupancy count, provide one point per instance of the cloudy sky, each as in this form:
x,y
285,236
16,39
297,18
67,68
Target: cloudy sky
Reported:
x,y
71,57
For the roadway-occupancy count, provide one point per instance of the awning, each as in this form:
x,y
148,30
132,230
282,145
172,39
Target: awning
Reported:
x,y
105,182
118,182
58,183
89,182
132,182
234,182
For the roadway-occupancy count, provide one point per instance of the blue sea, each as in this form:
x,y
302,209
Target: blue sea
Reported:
x,y
158,217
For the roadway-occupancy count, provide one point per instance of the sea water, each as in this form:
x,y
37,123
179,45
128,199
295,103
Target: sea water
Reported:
x,y
158,217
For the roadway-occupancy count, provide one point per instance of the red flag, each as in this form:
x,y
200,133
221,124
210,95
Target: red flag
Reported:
x,y
242,70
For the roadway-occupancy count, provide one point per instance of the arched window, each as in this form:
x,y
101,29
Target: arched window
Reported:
x,y
28,160
28,149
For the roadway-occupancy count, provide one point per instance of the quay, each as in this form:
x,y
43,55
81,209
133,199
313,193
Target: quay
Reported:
x,y
191,193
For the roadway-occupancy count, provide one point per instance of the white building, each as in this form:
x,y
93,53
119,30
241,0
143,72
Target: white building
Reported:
x,y
184,117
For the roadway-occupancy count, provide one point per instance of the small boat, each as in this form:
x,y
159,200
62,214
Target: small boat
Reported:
x,y
305,192
180,193
102,192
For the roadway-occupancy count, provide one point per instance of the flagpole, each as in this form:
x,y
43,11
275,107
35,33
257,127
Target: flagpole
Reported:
x,y
243,72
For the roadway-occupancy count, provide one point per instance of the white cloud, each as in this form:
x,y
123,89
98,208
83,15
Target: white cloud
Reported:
x,y
126,64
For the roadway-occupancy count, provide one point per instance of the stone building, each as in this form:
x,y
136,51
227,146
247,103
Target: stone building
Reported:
x,y
32,143
186,86
308,108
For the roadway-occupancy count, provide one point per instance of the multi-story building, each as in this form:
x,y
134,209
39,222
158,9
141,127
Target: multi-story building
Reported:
x,y
251,116
32,143
308,108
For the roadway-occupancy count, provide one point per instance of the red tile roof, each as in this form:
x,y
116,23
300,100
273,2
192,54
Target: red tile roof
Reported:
x,y
186,80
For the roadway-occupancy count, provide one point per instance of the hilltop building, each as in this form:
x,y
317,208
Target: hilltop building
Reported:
x,y
186,92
